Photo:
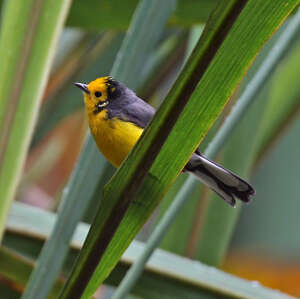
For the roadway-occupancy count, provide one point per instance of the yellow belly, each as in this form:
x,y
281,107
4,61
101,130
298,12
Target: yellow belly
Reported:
x,y
115,138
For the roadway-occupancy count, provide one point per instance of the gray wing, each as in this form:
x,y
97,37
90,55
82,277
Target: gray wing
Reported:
x,y
139,112
129,107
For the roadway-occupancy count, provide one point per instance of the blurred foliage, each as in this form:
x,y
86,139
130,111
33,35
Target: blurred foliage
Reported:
x,y
264,225
268,226
116,14
284,104
266,269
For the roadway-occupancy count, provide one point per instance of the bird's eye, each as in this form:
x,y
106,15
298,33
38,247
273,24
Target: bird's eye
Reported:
x,y
98,94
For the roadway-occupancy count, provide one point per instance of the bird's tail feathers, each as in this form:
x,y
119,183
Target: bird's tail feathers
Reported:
x,y
224,182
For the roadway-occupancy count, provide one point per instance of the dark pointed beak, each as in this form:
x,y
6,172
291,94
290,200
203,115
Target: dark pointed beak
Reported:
x,y
83,87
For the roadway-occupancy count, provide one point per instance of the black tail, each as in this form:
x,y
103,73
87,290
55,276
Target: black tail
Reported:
x,y
224,182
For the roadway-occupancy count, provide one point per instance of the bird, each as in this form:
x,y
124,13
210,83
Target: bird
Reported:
x,y
117,118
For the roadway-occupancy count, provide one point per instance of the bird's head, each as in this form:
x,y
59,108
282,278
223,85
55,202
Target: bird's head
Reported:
x,y
98,94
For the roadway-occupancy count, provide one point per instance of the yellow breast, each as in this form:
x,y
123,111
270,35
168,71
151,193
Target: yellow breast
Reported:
x,y
115,138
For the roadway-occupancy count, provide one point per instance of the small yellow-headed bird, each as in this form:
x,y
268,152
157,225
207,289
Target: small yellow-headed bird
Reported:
x,y
117,118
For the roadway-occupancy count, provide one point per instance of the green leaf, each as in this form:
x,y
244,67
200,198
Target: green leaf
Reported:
x,y
181,228
220,66
29,31
182,277
218,219
215,227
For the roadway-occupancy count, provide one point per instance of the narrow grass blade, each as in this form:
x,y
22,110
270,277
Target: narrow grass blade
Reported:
x,y
220,66
183,278
91,163
29,32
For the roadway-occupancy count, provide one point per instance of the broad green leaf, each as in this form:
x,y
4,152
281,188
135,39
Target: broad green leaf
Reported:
x,y
182,278
29,31
219,60
180,224
213,230
218,219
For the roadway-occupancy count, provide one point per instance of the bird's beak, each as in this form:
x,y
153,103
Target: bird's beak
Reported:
x,y
83,87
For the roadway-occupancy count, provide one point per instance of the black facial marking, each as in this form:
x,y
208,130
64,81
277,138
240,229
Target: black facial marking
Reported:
x,y
100,106
113,88
97,110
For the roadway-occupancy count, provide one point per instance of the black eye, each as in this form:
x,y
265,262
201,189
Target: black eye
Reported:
x,y
98,94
